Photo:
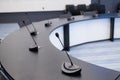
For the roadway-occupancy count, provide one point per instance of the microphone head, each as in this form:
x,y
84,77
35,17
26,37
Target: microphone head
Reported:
x,y
57,35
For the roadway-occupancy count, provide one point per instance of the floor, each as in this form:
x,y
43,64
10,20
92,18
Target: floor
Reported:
x,y
5,30
105,54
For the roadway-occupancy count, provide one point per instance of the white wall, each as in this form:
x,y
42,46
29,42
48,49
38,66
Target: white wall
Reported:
x,y
7,28
84,31
54,40
37,5
90,30
117,28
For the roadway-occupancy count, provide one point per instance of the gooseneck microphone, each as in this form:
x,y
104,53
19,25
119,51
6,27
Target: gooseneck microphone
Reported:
x,y
35,47
68,68
57,35
33,33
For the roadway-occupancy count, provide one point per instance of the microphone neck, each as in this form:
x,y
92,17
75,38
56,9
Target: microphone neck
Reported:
x,y
31,22
66,52
29,33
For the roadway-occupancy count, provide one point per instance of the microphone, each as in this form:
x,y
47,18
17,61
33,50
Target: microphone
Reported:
x,y
33,33
68,67
35,47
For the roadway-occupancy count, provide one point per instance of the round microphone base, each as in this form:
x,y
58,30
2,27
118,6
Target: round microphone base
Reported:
x,y
67,68
34,33
34,48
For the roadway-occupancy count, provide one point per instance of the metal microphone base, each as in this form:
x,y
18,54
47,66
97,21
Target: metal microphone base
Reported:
x,y
70,18
34,33
48,24
70,70
34,48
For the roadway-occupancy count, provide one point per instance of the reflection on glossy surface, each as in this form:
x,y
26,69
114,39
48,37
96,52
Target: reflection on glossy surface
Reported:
x,y
7,28
105,53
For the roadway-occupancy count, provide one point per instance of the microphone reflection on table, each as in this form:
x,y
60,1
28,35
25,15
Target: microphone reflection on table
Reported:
x,y
35,47
68,67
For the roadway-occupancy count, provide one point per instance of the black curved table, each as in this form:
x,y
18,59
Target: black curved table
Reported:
x,y
22,64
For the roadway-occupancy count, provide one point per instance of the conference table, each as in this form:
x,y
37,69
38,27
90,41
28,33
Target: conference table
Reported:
x,y
22,64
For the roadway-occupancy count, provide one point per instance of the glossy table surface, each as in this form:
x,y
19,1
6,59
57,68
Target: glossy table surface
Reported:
x,y
22,64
